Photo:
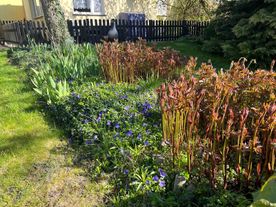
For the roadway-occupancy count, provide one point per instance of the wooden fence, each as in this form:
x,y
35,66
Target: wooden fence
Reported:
x,y
151,30
94,31
1,35
19,32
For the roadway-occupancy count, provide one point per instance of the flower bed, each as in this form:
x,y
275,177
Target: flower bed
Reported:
x,y
227,122
128,62
168,155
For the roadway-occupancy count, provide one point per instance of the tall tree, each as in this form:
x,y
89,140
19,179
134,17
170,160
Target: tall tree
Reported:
x,y
190,9
56,23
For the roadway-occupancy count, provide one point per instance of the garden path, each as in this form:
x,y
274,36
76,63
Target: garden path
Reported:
x,y
36,166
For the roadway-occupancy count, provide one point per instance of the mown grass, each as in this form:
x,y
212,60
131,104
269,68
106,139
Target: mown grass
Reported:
x,y
190,47
36,167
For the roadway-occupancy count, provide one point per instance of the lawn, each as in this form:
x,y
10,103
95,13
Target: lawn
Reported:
x,y
191,48
32,155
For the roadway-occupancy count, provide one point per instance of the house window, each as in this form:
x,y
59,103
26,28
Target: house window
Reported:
x,y
162,7
36,8
88,6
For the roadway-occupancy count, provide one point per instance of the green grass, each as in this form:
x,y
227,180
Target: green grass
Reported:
x,y
36,167
192,48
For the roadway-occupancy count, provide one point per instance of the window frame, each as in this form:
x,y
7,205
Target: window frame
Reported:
x,y
91,12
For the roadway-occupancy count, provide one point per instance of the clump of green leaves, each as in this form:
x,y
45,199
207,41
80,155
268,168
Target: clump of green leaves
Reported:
x,y
53,70
266,195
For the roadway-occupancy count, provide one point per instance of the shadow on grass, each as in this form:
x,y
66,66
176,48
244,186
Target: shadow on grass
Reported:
x,y
18,142
190,47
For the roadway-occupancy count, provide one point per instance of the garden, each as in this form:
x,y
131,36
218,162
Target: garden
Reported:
x,y
161,128
172,123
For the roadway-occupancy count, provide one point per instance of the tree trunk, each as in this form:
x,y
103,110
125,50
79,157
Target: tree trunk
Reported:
x,y
56,23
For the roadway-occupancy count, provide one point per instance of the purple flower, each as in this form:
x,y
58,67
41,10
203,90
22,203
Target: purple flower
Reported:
x,y
162,183
148,131
146,143
126,108
117,125
126,171
98,119
124,97
162,173
129,133
145,108
88,142
139,136
155,178
145,124
147,105
108,123
147,182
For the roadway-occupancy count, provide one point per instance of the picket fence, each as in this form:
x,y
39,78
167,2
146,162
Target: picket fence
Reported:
x,y
94,31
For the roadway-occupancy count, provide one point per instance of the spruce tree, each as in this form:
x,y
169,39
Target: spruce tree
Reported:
x,y
244,28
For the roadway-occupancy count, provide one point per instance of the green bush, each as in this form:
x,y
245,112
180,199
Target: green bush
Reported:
x,y
244,28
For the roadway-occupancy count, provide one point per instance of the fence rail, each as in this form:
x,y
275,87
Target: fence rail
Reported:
x,y
93,31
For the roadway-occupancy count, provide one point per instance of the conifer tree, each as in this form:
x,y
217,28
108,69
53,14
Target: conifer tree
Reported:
x,y
244,28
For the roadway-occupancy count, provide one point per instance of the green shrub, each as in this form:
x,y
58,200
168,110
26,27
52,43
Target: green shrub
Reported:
x,y
244,28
